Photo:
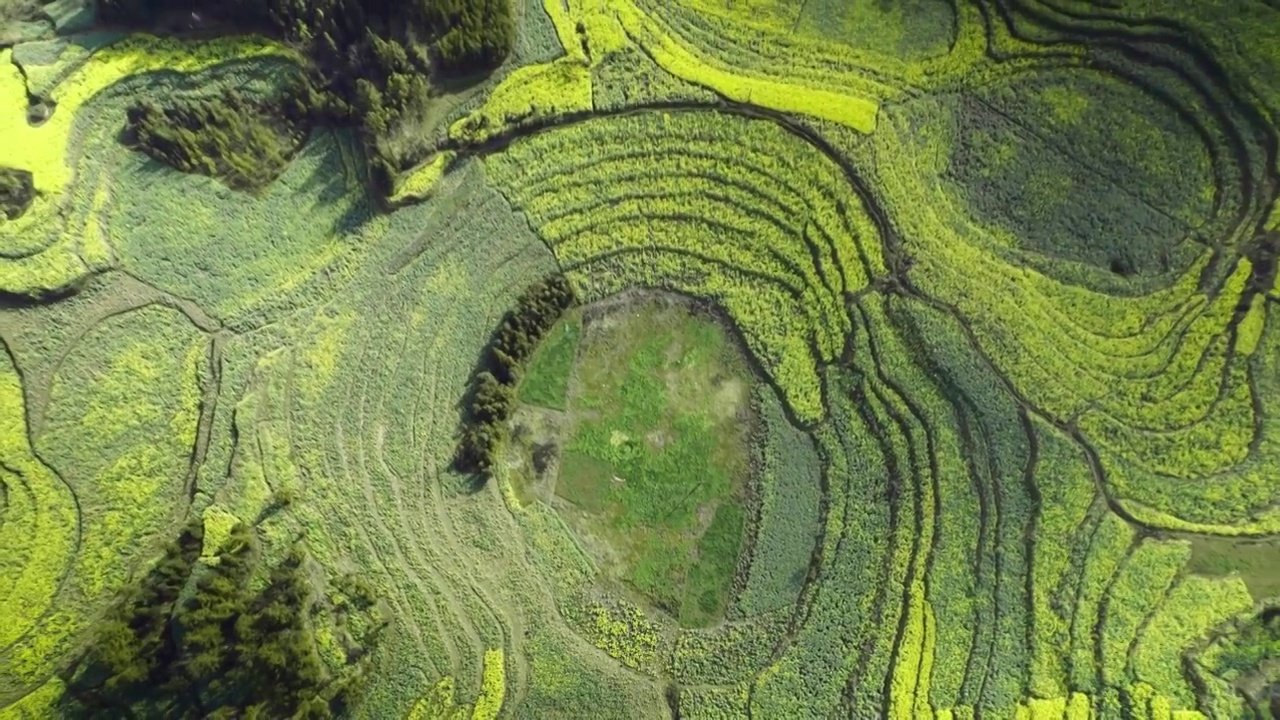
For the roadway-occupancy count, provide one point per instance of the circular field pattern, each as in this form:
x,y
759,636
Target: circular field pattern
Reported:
x,y
987,424
1073,164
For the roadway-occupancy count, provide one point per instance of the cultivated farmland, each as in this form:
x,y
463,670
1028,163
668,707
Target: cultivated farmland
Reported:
x,y
694,359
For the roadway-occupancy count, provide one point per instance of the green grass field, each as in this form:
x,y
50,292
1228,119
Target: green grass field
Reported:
x,y
923,363
655,457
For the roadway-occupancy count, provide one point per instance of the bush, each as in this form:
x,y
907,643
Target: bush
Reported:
x,y
16,192
493,386
243,143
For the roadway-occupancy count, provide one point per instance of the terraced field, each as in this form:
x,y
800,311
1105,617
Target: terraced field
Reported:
x,y
992,286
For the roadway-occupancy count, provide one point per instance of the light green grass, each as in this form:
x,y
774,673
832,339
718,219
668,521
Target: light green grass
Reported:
x,y
1257,561
657,453
546,381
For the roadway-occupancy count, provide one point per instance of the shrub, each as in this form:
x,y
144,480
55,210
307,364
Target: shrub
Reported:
x,y
13,11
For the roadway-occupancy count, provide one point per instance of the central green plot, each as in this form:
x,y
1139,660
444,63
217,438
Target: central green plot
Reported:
x,y
654,448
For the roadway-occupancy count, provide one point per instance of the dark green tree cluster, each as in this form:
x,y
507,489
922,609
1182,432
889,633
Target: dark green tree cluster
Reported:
x,y
133,647
220,650
245,144
16,192
477,34
492,393
371,59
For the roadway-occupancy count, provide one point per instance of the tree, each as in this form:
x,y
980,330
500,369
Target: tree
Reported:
x,y
133,647
243,143
208,617
493,400
226,652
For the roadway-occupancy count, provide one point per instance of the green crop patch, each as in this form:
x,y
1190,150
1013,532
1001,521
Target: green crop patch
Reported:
x,y
546,382
16,192
655,458
914,29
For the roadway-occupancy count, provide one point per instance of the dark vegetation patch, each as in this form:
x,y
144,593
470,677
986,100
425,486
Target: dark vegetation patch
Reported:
x,y
244,143
224,648
14,11
492,396
711,577
373,62
16,192
1053,204
787,508
1082,166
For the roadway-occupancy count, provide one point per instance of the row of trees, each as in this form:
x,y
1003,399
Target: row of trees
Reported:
x,y
371,59
224,651
492,393
246,144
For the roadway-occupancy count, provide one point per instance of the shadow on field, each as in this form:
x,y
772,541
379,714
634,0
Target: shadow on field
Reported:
x,y
18,301
330,181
